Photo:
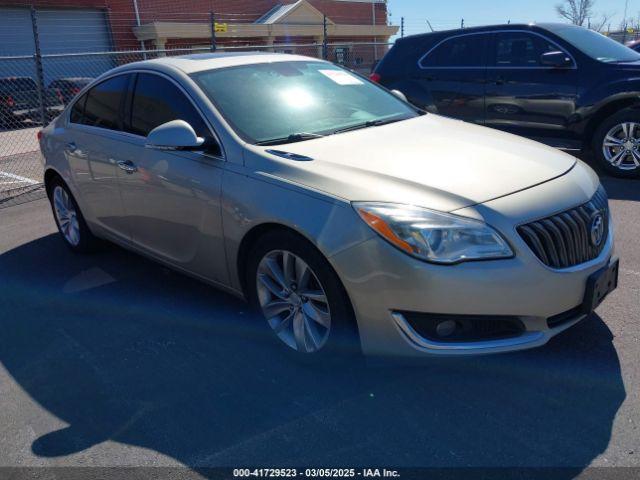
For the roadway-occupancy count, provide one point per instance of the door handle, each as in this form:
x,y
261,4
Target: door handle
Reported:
x,y
500,81
72,147
127,166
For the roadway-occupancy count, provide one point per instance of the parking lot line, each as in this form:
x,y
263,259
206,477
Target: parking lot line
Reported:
x,y
18,178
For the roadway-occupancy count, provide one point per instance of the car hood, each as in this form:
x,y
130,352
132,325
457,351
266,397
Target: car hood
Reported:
x,y
431,161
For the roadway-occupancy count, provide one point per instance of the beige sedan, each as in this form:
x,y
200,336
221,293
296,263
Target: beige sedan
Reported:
x,y
337,209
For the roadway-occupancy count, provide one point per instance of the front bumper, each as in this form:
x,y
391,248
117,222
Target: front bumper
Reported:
x,y
383,282
526,340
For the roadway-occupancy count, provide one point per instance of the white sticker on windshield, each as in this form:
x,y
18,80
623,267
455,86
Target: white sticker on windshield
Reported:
x,y
341,77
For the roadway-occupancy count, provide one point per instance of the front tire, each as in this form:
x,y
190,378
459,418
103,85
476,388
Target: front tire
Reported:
x,y
69,219
297,292
616,144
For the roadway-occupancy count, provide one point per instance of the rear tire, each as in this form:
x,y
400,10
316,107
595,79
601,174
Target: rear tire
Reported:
x,y
71,224
616,144
310,321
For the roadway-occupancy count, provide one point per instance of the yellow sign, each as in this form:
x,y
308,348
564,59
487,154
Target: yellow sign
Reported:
x,y
220,27
630,30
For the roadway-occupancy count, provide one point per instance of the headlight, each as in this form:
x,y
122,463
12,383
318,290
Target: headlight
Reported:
x,y
433,236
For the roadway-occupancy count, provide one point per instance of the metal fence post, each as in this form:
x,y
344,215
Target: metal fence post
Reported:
x,y
39,70
402,27
213,32
325,47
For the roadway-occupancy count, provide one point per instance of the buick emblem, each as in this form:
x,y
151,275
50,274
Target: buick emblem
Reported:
x,y
597,229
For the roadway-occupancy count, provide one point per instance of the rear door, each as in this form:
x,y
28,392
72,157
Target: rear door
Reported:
x,y
454,73
525,97
92,143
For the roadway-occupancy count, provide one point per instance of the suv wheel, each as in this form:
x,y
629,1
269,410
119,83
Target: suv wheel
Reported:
x,y
616,144
302,299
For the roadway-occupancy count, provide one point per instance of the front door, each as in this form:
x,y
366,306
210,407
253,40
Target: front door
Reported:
x,y
453,72
525,97
171,198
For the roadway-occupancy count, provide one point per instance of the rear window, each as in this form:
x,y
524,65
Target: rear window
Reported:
x,y
102,104
13,85
462,51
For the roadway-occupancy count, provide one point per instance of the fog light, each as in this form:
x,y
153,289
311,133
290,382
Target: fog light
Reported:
x,y
446,328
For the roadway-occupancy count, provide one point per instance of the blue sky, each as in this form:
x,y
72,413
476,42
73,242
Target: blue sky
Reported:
x,y
447,13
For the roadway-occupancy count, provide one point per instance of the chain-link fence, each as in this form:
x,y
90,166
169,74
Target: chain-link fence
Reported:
x,y
40,73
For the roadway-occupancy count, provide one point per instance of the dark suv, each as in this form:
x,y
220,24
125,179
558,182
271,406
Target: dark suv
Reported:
x,y
566,86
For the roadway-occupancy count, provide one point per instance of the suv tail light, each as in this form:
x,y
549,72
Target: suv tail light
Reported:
x,y
59,94
375,77
39,135
9,101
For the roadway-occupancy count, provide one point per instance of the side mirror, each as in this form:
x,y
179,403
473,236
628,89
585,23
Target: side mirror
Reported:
x,y
555,59
174,135
400,95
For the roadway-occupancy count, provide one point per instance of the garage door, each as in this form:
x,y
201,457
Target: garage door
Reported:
x,y
16,39
61,31
74,31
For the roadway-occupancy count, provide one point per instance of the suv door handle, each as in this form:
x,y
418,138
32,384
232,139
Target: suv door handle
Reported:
x,y
500,81
72,147
127,166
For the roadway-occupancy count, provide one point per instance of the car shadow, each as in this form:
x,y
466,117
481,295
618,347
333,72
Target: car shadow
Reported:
x,y
125,350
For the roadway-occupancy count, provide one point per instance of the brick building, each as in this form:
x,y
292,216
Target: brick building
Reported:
x,y
167,24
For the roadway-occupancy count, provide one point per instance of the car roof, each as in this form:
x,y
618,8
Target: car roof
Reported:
x,y
490,28
209,61
72,79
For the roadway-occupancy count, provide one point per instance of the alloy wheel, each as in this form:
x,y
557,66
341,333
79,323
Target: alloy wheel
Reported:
x,y
621,146
66,215
293,301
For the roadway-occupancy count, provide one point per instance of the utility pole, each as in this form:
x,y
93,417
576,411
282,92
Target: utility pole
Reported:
x,y
39,70
325,46
402,27
375,40
462,23
624,21
137,12
212,20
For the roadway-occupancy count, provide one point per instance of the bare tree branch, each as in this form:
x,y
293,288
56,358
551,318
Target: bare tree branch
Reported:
x,y
600,24
576,11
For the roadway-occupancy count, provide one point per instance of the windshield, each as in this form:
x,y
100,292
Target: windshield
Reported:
x,y
297,100
595,45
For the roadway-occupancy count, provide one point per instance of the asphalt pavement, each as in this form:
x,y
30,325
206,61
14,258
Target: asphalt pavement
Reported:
x,y
111,360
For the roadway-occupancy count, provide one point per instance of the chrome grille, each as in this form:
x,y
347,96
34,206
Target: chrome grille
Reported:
x,y
564,240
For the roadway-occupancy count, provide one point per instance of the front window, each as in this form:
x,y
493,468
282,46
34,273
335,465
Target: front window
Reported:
x,y
156,100
520,49
595,45
270,101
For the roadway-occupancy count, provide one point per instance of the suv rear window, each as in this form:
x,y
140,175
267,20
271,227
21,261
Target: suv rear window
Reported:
x,y
461,51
